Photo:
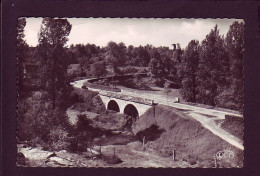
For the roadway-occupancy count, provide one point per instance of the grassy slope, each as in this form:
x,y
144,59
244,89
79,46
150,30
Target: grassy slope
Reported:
x,y
186,136
87,100
234,125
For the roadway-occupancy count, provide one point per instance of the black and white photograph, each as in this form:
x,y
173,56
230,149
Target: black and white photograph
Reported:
x,y
130,92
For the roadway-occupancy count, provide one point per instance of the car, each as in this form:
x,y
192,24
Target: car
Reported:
x,y
84,87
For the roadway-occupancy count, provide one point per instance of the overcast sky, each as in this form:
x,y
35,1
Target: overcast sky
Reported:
x,y
158,32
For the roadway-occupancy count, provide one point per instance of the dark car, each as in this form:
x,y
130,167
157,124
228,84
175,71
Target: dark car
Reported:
x,y
84,87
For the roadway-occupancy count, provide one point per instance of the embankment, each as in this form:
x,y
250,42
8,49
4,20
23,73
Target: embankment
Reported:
x,y
167,129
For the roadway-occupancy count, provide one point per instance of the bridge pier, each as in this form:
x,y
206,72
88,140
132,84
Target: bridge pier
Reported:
x,y
125,106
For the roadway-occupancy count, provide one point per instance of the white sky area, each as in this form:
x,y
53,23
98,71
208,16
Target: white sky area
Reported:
x,y
141,31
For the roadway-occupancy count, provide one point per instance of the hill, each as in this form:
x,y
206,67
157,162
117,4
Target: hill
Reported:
x,y
167,129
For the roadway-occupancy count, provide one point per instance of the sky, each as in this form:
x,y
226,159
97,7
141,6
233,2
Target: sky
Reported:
x,y
141,31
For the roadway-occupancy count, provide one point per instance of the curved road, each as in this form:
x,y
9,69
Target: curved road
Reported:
x,y
198,113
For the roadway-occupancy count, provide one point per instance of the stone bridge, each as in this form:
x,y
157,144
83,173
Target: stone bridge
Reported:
x,y
132,106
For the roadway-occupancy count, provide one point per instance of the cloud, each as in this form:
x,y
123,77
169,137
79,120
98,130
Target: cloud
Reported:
x,y
31,30
158,32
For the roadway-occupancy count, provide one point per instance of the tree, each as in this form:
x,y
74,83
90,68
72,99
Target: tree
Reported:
x,y
21,54
190,62
84,65
156,69
52,39
98,69
177,59
142,56
167,90
234,44
212,68
115,55
130,54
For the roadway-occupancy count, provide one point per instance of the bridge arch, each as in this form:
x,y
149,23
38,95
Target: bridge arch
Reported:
x,y
112,105
131,110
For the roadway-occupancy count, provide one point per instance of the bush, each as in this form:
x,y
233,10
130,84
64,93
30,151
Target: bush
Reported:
x,y
84,95
81,135
21,160
102,87
226,99
128,70
58,138
111,159
36,142
34,122
74,97
97,105
79,143
37,122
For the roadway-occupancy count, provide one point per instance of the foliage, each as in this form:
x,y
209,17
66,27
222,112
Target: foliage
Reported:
x,y
156,70
81,135
129,70
167,89
58,138
52,39
190,61
115,55
210,72
235,47
22,50
33,115
212,68
37,122
98,69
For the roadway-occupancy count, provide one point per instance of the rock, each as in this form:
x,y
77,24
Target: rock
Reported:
x,y
135,145
52,155
61,161
35,153
20,159
192,161
116,132
62,151
92,151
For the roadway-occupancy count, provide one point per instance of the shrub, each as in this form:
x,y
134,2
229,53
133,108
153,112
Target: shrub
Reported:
x,y
128,70
111,159
226,99
74,97
142,70
21,160
58,138
80,135
37,120
34,123
79,142
97,105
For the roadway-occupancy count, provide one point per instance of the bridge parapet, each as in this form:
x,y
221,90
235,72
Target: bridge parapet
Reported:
x,y
128,98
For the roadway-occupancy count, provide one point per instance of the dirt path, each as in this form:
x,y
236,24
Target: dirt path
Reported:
x,y
133,157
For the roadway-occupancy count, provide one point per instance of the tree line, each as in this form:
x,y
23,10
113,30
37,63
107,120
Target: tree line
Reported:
x,y
210,72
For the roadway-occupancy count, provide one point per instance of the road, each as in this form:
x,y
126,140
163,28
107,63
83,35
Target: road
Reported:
x,y
207,117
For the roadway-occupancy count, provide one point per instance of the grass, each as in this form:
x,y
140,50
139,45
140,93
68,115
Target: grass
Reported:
x,y
209,107
101,87
234,125
186,136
